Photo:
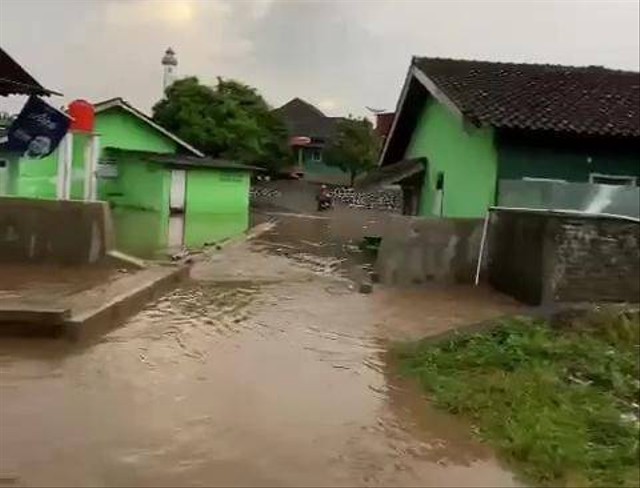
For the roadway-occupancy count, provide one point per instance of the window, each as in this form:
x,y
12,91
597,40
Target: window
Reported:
x,y
612,179
107,169
316,155
4,163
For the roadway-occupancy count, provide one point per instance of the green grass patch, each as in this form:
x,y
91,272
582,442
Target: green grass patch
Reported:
x,y
560,402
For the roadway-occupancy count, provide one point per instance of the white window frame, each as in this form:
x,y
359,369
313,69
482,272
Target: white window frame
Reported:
x,y
546,180
631,180
316,152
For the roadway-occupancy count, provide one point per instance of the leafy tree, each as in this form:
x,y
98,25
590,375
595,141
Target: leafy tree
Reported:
x,y
230,120
354,148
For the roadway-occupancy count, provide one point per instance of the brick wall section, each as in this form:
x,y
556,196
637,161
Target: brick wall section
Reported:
x,y
300,196
542,258
595,260
386,200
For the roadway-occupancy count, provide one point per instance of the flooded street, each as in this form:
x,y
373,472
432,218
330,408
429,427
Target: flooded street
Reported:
x,y
266,369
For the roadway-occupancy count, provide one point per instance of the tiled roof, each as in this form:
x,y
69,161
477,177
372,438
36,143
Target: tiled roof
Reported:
x,y
582,100
303,119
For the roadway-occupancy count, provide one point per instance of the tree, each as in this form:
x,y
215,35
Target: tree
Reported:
x,y
354,148
230,120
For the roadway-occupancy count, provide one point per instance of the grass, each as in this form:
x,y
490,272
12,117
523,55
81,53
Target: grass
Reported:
x,y
560,402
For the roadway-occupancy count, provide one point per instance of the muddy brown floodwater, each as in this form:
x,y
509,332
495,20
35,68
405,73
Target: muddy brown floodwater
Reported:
x,y
261,371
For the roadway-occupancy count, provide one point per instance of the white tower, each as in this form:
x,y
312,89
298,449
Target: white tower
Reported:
x,y
169,64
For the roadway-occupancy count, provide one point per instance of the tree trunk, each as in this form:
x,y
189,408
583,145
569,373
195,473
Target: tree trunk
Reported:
x,y
352,177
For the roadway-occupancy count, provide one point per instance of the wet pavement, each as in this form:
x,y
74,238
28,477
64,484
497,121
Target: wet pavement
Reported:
x,y
40,282
267,369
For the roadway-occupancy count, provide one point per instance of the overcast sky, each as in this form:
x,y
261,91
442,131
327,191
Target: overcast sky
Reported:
x,y
342,55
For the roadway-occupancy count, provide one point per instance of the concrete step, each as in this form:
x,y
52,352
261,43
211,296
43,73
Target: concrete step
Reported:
x,y
92,311
103,307
32,319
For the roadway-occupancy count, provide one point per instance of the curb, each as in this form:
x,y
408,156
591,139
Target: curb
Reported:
x,y
109,315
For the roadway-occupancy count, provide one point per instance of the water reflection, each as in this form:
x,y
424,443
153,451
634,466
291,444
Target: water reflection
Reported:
x,y
202,228
140,233
145,233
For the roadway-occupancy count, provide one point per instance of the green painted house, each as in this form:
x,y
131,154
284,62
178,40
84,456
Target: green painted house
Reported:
x,y
164,193
463,129
305,121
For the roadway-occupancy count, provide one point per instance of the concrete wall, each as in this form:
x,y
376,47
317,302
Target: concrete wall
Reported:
x,y
595,260
515,254
60,232
544,258
418,250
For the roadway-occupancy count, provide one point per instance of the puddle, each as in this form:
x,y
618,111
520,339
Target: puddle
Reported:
x,y
261,374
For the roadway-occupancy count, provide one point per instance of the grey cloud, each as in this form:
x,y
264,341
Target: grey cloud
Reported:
x,y
348,54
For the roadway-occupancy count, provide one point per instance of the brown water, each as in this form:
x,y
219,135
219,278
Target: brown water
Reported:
x,y
262,372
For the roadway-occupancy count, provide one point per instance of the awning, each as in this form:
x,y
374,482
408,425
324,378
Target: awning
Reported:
x,y
14,79
179,160
392,173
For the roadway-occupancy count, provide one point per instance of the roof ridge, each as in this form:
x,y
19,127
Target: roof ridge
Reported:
x,y
297,100
123,104
592,67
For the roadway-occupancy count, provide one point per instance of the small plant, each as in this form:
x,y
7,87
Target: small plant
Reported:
x,y
560,402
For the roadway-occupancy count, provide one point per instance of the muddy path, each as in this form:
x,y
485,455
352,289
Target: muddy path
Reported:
x,y
263,371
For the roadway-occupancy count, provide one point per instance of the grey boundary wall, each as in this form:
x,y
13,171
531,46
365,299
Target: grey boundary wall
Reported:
x,y
554,257
56,232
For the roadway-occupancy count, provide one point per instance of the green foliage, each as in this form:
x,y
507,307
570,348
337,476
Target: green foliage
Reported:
x,y
230,120
562,403
354,148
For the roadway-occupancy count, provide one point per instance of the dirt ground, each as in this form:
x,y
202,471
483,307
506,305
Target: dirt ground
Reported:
x,y
266,369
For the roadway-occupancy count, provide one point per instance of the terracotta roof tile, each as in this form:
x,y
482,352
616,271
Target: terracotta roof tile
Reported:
x,y
584,100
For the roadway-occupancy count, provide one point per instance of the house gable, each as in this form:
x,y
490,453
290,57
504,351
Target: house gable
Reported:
x,y
122,130
464,156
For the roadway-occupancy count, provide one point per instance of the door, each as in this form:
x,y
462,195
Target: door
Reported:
x,y
177,197
178,190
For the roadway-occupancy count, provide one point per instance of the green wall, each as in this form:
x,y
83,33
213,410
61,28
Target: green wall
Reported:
x,y
140,184
122,130
217,201
117,129
37,178
217,205
466,156
548,156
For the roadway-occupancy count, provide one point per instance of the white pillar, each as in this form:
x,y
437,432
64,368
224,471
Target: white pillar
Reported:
x,y
86,166
65,152
68,168
60,179
93,167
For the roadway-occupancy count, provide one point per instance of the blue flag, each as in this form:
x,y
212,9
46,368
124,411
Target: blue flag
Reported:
x,y
38,129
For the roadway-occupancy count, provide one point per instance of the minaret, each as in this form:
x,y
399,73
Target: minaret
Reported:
x,y
169,63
